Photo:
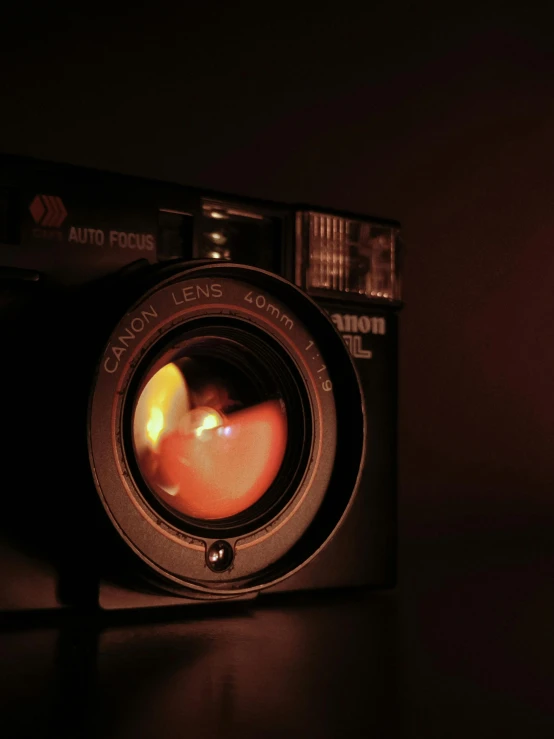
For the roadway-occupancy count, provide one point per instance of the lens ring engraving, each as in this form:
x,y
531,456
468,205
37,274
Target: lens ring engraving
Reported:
x,y
155,540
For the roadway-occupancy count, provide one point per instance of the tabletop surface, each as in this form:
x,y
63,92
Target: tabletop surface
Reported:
x,y
462,648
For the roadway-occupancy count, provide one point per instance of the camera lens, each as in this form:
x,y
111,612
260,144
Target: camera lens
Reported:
x,y
210,426
226,429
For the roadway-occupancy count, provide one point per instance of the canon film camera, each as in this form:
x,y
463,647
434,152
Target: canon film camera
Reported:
x,y
198,393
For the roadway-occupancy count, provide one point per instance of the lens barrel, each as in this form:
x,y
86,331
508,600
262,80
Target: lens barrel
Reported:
x,y
226,429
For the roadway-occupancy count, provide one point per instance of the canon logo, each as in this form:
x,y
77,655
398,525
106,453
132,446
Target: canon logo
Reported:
x,y
352,324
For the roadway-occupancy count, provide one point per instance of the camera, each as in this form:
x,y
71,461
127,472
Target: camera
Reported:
x,y
199,393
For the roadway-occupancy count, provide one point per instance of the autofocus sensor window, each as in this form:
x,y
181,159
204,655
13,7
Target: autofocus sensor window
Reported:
x,y
211,424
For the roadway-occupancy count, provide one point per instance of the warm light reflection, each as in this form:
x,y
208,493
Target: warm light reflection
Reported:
x,y
162,403
221,474
206,464
199,420
210,421
155,424
223,469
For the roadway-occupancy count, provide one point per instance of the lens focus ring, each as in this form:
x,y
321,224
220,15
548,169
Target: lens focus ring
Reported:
x,y
227,340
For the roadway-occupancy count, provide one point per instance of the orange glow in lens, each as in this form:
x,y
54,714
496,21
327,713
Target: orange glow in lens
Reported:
x,y
162,403
219,466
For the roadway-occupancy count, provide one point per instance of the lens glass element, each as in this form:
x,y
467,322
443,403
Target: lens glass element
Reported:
x,y
209,430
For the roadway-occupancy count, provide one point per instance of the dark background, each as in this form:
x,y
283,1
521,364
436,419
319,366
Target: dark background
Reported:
x,y
443,119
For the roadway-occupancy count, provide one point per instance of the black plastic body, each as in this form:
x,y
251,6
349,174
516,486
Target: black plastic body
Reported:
x,y
56,289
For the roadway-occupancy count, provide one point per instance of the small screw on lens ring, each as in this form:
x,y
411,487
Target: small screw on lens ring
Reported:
x,y
219,556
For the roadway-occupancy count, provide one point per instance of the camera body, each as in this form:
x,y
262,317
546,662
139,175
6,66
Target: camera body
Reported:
x,y
108,282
